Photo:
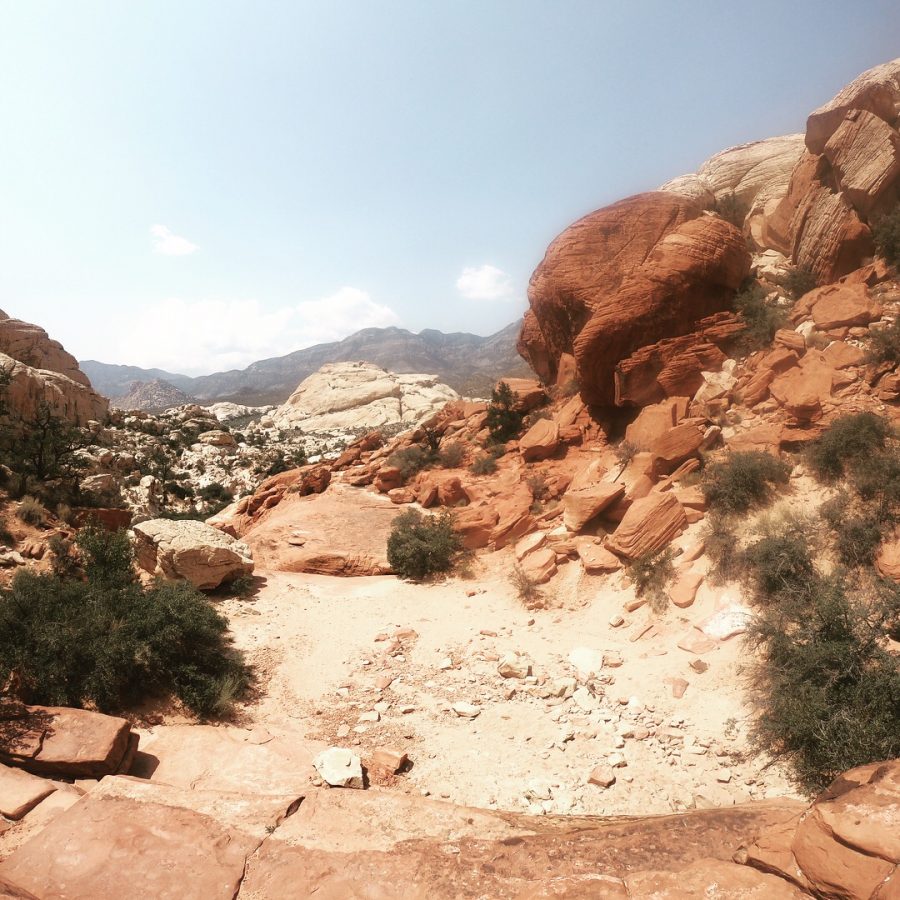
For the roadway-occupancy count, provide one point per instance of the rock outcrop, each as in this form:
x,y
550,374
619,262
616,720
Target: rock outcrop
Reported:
x,y
361,395
152,396
41,371
643,270
191,551
849,173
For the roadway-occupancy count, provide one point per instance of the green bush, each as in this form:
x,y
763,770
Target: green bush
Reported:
x,y
722,548
828,691
762,318
779,564
484,465
857,539
107,641
504,421
884,344
731,208
216,493
846,442
421,545
743,480
31,511
886,232
651,574
451,456
799,281
411,460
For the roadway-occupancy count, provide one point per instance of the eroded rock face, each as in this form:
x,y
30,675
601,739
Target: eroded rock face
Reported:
x,y
634,273
849,174
41,371
361,395
192,551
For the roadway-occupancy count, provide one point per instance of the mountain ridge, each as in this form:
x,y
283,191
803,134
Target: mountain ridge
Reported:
x,y
469,363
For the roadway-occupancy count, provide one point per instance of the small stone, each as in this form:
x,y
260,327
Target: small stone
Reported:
x,y
371,716
679,686
514,666
699,665
617,760
391,760
466,710
383,682
446,663
343,731
602,776
488,633
616,621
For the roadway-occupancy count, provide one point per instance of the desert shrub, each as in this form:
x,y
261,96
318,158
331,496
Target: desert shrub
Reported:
x,y
762,318
535,416
451,456
651,574
884,344
568,388
504,421
526,588
722,547
6,536
421,545
799,281
538,486
411,460
779,564
828,691
484,465
31,511
743,480
731,208
284,461
215,493
886,232
63,558
857,539
64,513
107,641
625,452
847,441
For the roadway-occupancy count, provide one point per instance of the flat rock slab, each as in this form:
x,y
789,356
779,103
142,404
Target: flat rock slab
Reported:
x,y
48,740
20,791
129,838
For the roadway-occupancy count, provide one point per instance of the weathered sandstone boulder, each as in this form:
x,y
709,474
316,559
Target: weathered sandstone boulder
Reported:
x,y
540,441
650,524
191,551
361,395
634,273
41,371
58,741
583,504
21,791
837,306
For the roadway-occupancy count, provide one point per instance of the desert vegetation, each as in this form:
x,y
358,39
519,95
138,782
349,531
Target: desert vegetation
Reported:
x,y
762,317
504,421
422,545
89,634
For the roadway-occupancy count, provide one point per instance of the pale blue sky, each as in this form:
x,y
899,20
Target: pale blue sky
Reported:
x,y
331,164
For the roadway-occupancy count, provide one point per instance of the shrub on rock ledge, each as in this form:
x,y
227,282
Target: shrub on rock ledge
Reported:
x,y
420,545
109,642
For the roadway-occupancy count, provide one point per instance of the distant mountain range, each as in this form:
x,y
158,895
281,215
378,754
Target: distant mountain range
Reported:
x,y
467,362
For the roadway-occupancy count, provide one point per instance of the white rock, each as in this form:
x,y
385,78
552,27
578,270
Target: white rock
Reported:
x,y
512,665
586,660
466,710
339,767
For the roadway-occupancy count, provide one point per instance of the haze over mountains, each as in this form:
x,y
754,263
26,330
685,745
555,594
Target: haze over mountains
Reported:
x,y
468,363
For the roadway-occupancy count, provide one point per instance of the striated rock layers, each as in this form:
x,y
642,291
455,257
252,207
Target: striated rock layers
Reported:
x,y
645,269
361,395
41,371
848,174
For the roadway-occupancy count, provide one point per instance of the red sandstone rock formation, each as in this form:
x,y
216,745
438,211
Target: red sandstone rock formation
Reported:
x,y
640,271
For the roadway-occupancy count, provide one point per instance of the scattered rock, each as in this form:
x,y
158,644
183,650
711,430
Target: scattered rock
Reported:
x,y
339,767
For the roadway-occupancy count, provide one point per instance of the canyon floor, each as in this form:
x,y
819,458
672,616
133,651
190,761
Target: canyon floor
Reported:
x,y
331,654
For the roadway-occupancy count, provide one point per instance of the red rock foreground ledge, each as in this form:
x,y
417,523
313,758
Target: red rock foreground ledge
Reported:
x,y
169,841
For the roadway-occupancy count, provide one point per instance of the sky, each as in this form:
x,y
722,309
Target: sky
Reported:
x,y
196,185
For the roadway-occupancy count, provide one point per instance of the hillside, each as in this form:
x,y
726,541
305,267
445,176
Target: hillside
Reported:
x,y
152,396
468,363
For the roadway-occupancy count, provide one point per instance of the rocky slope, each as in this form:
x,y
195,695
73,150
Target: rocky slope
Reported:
x,y
470,364
636,293
40,371
360,395
152,396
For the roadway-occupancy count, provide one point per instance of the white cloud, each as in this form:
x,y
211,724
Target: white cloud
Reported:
x,y
484,283
202,336
170,244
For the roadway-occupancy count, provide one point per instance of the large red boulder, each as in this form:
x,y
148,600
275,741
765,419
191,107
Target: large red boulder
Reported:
x,y
642,270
